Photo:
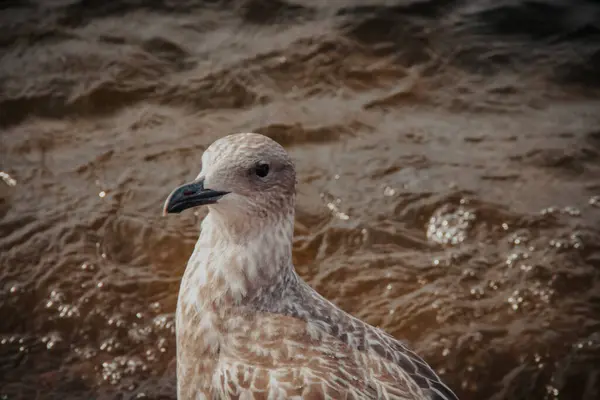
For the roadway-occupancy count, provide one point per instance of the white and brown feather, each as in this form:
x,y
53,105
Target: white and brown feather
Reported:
x,y
248,327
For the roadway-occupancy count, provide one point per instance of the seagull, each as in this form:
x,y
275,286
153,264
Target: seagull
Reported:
x,y
247,325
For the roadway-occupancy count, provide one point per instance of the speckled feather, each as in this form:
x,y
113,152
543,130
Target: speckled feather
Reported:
x,y
248,327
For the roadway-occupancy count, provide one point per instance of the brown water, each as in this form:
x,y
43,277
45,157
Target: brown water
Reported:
x,y
449,165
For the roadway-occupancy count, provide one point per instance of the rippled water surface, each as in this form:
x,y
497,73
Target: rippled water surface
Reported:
x,y
449,177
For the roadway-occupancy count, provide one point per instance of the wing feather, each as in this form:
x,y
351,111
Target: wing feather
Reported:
x,y
288,361
384,364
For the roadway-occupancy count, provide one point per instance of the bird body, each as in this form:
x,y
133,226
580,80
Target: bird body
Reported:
x,y
248,327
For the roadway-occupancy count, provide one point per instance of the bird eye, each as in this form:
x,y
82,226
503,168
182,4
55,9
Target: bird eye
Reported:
x,y
262,170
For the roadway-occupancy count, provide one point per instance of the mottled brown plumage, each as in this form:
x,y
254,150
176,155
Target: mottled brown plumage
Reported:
x,y
248,327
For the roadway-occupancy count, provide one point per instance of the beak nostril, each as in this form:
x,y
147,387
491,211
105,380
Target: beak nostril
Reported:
x,y
188,192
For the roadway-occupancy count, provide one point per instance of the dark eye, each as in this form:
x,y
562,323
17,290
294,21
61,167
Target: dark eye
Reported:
x,y
262,170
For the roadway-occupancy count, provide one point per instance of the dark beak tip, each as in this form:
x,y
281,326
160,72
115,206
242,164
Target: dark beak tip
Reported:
x,y
166,206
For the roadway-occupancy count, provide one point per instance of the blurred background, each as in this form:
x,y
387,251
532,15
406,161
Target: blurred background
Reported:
x,y
449,176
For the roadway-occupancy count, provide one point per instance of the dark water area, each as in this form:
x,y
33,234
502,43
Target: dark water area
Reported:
x,y
449,174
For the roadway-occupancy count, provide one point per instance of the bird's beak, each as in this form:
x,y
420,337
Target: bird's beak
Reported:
x,y
190,195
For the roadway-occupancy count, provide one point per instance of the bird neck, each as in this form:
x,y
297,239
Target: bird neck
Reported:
x,y
232,263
